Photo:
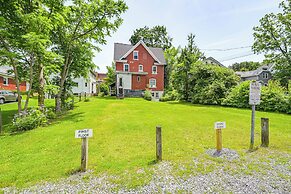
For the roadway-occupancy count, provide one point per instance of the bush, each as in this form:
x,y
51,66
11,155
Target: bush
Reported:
x,y
101,94
147,95
273,98
170,96
50,114
28,120
104,88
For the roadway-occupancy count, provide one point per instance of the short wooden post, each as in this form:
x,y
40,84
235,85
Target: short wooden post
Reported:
x,y
84,154
85,96
80,97
265,132
253,128
218,140
159,143
0,120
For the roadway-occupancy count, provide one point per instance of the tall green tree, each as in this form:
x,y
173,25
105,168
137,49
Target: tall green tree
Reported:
x,y
273,37
153,37
171,55
82,26
189,58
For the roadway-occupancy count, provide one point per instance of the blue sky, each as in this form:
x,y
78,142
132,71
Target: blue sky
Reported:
x,y
217,24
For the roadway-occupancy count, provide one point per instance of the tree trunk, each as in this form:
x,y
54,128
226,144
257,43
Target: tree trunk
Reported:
x,y
41,87
17,85
30,84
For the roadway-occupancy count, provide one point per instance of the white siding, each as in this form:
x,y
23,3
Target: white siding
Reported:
x,y
81,88
126,79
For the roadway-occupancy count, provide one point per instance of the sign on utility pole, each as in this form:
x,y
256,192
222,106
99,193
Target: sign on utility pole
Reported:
x,y
84,134
254,99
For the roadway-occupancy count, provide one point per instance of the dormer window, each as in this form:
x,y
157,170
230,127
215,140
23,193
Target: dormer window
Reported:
x,y
135,55
126,67
265,75
140,68
154,69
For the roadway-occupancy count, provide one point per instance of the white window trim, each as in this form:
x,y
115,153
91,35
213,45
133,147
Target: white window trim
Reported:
x,y
133,55
154,86
140,70
156,72
124,67
7,82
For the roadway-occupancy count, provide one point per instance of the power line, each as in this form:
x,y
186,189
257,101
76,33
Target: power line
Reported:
x,y
228,49
237,57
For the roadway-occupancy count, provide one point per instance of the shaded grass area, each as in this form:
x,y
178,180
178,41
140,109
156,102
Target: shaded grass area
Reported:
x,y
124,139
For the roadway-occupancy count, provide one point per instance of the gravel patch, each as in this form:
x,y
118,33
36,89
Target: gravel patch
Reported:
x,y
276,178
225,153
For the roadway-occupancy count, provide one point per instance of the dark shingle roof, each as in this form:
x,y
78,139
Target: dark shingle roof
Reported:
x,y
121,49
254,72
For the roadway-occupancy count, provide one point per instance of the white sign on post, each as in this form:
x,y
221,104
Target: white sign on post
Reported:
x,y
255,93
219,125
83,133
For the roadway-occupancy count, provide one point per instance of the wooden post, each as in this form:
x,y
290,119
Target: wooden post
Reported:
x,y
80,97
85,96
0,120
218,140
253,127
84,154
265,132
159,143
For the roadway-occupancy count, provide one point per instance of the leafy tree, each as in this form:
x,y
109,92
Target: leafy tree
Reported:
x,y
153,37
111,75
171,56
81,26
273,37
245,66
189,58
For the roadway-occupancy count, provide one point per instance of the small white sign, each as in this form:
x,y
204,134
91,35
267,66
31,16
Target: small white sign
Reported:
x,y
219,125
83,133
255,93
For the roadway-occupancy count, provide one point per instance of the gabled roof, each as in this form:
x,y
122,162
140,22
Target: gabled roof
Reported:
x,y
6,71
215,61
123,50
254,72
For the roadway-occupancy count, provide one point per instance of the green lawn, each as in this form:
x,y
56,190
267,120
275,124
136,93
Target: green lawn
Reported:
x,y
124,138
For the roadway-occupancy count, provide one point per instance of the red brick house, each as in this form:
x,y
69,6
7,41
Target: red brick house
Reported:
x,y
138,68
7,81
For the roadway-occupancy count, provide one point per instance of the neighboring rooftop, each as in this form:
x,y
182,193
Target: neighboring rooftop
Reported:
x,y
121,49
211,60
256,72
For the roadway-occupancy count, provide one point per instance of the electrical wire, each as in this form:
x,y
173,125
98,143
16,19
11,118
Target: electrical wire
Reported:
x,y
227,49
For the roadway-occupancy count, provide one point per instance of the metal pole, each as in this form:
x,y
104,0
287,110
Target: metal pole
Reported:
x,y
253,127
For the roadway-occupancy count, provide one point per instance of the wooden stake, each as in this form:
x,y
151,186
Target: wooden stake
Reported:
x,y
84,154
159,143
253,127
265,132
218,140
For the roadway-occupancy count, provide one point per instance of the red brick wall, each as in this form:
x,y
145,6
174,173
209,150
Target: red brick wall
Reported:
x,y
145,59
11,85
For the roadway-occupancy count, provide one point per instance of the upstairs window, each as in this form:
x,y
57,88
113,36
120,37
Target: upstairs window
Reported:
x,y
135,55
5,81
140,68
153,83
126,67
154,70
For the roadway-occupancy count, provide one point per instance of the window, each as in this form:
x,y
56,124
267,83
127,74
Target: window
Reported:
x,y
138,78
157,94
140,68
5,81
265,75
126,67
135,55
154,70
120,81
153,94
153,83
86,84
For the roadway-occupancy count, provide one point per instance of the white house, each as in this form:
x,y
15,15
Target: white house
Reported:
x,y
87,85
